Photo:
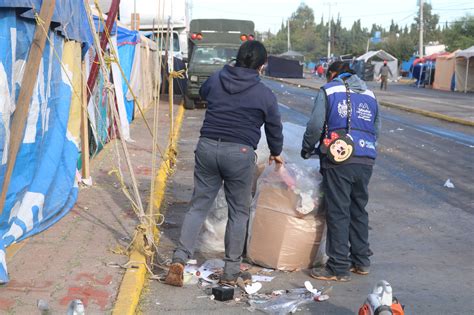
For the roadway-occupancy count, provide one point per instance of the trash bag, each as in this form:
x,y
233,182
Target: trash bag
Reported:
x,y
321,257
282,304
211,239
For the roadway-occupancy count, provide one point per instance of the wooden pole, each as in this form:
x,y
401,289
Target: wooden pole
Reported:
x,y
84,127
28,83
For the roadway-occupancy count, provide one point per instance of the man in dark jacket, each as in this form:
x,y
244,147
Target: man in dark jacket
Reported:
x,y
384,72
345,185
238,105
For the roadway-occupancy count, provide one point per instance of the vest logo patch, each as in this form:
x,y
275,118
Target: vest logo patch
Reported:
x,y
364,112
342,108
367,144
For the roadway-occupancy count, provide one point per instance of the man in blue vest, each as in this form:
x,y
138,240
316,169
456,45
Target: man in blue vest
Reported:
x,y
345,184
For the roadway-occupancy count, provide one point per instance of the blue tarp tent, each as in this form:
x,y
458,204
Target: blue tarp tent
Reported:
x,y
43,187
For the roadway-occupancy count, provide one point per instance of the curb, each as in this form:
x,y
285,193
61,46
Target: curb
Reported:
x,y
134,278
429,114
398,106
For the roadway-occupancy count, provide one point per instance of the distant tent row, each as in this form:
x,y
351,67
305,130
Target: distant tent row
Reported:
x,y
445,71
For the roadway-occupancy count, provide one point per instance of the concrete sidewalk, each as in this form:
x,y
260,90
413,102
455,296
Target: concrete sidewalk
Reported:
x,y
449,106
75,259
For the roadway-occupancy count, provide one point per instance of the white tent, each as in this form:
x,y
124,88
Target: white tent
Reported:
x,y
465,70
377,58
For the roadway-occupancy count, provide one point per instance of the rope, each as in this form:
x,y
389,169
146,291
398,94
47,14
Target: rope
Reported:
x,y
115,59
137,204
177,74
41,23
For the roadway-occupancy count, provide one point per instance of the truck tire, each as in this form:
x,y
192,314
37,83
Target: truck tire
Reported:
x,y
188,102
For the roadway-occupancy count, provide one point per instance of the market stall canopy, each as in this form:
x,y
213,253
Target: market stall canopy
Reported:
x,y
445,65
432,57
377,58
465,70
467,53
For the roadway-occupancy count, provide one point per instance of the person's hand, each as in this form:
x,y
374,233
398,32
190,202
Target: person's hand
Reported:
x,y
278,160
305,155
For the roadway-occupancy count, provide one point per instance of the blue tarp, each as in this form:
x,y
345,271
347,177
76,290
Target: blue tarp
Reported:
x,y
43,187
407,66
126,41
70,18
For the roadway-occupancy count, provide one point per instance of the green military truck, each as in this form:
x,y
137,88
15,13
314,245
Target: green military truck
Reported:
x,y
212,43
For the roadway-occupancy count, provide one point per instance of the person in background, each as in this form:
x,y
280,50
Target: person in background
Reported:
x,y
345,185
383,73
320,71
238,105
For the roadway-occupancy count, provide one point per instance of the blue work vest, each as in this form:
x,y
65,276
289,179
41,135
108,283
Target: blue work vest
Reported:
x,y
364,110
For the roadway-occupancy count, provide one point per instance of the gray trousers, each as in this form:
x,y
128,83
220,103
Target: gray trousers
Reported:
x,y
219,162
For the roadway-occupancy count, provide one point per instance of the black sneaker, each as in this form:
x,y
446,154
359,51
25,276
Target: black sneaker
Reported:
x,y
232,279
361,270
325,274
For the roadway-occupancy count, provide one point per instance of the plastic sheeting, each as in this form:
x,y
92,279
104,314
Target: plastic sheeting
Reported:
x,y
283,68
43,186
71,16
126,41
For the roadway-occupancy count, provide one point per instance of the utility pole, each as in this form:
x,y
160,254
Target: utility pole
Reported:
x,y
289,43
329,29
134,16
421,29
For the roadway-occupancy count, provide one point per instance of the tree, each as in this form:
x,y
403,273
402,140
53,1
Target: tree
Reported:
x,y
460,34
430,23
401,41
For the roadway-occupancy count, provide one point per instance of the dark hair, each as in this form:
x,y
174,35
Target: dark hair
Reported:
x,y
339,67
252,54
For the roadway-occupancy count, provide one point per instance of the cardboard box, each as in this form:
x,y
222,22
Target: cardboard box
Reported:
x,y
281,238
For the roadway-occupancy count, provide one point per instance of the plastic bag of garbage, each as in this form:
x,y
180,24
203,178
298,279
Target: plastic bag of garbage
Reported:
x,y
285,223
321,257
300,176
211,238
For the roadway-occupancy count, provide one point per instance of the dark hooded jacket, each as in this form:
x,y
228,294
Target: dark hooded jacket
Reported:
x,y
238,105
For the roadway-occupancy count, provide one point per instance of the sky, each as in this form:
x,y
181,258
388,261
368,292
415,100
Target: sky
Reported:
x,y
268,14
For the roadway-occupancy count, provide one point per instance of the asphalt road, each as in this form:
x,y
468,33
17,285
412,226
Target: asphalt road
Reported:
x,y
421,232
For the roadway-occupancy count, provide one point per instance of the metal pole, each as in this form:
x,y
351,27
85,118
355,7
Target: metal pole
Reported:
x,y
421,29
329,32
135,26
467,76
289,43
